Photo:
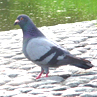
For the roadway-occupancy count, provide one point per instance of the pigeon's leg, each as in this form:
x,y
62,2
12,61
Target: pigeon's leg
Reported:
x,y
39,76
47,74
47,71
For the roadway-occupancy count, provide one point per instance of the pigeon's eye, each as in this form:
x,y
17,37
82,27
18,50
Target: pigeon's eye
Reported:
x,y
21,18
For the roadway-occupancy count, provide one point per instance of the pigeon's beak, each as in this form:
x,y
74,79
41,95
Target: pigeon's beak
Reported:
x,y
16,22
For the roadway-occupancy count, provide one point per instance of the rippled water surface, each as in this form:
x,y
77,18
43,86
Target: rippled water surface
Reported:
x,y
46,12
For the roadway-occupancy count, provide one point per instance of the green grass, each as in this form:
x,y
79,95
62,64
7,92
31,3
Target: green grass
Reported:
x,y
47,12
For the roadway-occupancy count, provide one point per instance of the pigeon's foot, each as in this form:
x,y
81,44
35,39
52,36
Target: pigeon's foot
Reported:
x,y
39,76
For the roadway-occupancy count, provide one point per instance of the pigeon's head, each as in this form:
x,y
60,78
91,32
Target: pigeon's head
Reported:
x,y
22,20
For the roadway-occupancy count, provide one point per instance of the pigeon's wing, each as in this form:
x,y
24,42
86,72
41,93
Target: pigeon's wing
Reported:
x,y
47,54
44,51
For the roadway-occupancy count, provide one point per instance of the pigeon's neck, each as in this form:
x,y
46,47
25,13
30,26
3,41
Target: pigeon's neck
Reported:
x,y
31,31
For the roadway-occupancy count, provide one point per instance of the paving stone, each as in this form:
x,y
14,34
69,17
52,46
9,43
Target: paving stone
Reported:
x,y
46,81
13,75
4,93
57,93
89,94
25,90
23,95
36,91
47,86
4,79
26,67
55,79
60,88
77,91
17,74
20,80
92,83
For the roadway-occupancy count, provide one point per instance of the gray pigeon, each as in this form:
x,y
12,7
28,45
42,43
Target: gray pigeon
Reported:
x,y
43,52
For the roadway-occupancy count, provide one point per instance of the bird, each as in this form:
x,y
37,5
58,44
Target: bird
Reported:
x,y
43,51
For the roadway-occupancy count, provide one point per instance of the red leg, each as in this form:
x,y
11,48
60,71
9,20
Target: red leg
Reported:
x,y
47,74
39,76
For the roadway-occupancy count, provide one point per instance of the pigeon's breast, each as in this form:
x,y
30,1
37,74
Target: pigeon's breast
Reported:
x,y
25,42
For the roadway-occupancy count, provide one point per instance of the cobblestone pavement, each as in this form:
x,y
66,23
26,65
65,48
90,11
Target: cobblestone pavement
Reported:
x,y
17,74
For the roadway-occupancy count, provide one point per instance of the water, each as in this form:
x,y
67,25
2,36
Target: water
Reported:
x,y
46,12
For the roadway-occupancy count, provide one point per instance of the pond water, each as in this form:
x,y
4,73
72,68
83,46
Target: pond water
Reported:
x,y
46,12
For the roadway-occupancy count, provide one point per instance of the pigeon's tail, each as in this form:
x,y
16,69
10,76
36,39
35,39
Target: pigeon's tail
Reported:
x,y
82,63
78,62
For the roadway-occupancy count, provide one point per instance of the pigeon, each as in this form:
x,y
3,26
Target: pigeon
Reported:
x,y
44,52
